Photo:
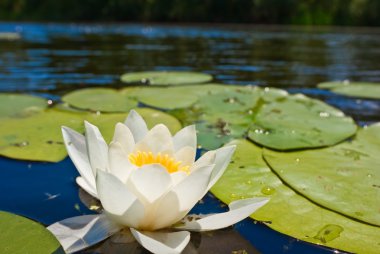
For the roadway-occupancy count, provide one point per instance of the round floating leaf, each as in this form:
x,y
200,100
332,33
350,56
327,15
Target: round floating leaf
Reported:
x,y
20,105
164,98
354,89
287,212
344,178
153,117
296,121
166,77
175,97
20,235
37,137
99,99
9,36
232,103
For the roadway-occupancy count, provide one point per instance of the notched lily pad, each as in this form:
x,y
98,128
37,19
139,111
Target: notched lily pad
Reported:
x,y
20,235
100,99
20,105
344,178
296,121
288,212
166,77
354,89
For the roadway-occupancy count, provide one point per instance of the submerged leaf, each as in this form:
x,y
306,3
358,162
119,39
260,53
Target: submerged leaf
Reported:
x,y
287,212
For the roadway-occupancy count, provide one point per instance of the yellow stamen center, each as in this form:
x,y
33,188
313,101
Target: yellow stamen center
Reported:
x,y
143,158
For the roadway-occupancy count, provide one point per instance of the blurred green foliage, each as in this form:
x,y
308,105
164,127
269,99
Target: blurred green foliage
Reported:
x,y
305,12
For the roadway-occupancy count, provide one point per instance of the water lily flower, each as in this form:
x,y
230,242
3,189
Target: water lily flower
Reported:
x,y
147,181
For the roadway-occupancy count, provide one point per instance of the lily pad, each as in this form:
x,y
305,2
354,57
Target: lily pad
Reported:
x,y
9,36
344,178
233,103
288,212
20,105
42,139
174,97
354,89
100,99
166,77
20,235
296,121
164,98
153,117
38,137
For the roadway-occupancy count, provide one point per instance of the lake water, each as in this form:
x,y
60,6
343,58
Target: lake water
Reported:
x,y
52,59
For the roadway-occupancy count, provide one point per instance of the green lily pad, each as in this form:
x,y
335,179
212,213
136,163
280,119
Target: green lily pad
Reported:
x,y
354,89
166,77
296,121
100,99
233,103
344,178
38,137
288,212
153,117
20,105
174,97
20,235
9,36
162,97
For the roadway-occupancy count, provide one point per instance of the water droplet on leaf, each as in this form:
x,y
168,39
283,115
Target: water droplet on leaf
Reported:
x,y
268,190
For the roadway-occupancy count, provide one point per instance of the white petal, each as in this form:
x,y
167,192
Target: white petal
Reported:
x,y
162,242
136,125
124,137
76,147
192,188
186,155
77,233
222,159
119,164
96,147
118,202
206,159
150,182
239,210
185,137
177,177
182,198
157,140
85,186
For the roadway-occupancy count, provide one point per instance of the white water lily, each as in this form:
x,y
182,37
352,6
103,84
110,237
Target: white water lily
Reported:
x,y
147,181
